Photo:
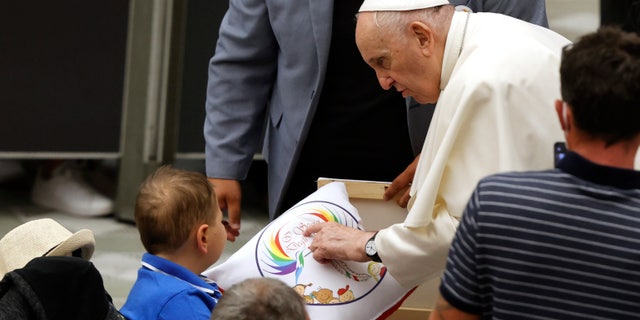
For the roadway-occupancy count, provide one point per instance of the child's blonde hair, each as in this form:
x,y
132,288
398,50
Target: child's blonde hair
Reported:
x,y
170,204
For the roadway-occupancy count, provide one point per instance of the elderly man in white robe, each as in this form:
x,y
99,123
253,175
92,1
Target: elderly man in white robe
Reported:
x,y
495,80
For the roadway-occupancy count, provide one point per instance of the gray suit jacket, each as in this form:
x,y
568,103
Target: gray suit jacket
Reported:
x,y
265,80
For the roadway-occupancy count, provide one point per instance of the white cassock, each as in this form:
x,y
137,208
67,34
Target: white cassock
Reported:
x,y
495,113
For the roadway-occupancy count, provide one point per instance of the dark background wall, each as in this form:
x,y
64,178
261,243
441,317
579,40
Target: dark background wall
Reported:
x,y
61,75
203,20
62,66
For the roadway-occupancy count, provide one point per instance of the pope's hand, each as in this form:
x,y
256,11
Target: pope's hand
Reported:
x,y
400,186
334,241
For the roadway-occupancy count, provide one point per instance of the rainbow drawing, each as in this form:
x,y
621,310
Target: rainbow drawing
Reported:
x,y
325,215
283,263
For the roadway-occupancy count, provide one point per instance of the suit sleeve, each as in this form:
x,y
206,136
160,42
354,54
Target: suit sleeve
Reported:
x,y
533,11
241,75
414,255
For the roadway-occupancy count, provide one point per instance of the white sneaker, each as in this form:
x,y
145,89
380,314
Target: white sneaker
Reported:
x,y
67,191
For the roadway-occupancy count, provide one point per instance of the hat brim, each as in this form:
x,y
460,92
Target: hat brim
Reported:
x,y
83,239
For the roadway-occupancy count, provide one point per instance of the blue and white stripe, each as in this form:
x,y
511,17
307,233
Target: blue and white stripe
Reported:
x,y
557,244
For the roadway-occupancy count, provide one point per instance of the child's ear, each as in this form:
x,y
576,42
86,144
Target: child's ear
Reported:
x,y
202,240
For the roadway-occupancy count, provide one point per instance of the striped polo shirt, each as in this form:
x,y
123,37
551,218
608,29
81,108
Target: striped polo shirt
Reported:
x,y
556,244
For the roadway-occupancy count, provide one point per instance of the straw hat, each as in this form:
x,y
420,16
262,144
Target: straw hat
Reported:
x,y
395,5
42,237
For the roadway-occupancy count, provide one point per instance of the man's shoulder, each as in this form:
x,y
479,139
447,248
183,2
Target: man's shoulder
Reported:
x,y
521,178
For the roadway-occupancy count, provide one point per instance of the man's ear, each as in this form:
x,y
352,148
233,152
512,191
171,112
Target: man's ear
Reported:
x,y
423,35
562,109
559,110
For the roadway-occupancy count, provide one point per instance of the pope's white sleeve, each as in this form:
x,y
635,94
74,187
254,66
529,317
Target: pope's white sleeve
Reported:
x,y
414,255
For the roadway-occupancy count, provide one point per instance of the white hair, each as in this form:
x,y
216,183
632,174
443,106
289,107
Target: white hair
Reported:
x,y
395,22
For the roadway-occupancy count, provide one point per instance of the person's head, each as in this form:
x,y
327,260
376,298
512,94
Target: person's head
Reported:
x,y
176,212
42,238
600,83
404,44
260,299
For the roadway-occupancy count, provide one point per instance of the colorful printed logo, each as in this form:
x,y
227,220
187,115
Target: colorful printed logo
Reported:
x,y
282,252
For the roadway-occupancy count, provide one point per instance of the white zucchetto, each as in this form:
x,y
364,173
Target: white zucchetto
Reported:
x,y
399,5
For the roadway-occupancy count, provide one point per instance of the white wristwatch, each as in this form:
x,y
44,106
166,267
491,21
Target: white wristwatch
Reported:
x,y
370,249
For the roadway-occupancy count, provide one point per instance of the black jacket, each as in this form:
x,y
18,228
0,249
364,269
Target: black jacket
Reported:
x,y
52,288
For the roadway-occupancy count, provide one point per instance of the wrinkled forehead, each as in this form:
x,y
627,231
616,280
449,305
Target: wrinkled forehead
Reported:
x,y
372,41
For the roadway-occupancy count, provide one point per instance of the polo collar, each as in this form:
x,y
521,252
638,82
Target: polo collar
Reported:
x,y
578,166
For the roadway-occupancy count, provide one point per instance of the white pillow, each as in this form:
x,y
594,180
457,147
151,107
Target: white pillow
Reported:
x,y
338,290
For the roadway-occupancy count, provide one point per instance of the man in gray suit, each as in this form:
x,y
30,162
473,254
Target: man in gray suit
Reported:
x,y
287,76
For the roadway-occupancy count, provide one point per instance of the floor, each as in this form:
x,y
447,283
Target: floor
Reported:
x,y
119,250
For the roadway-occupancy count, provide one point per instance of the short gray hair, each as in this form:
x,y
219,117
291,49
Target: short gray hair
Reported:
x,y
395,22
260,299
